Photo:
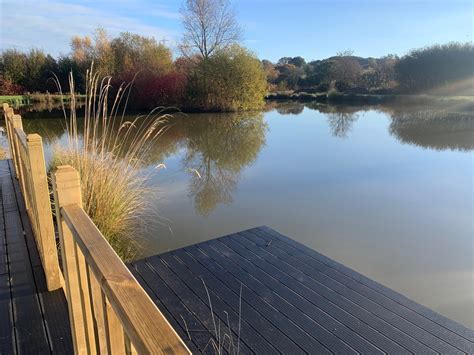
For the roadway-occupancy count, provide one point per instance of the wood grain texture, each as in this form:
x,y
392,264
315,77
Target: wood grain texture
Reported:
x,y
67,191
42,215
144,324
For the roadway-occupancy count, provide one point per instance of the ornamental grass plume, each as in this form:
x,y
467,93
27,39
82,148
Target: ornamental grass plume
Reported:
x,y
107,150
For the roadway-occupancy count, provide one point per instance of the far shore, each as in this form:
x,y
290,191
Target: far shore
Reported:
x,y
369,99
40,102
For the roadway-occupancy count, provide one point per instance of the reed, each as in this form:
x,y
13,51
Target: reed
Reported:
x,y
106,149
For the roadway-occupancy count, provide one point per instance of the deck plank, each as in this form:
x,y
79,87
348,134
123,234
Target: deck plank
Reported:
x,y
314,293
293,298
446,336
7,336
252,326
256,314
34,321
171,304
304,340
189,342
340,295
28,321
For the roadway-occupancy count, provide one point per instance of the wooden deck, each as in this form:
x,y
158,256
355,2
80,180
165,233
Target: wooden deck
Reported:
x,y
293,300
33,320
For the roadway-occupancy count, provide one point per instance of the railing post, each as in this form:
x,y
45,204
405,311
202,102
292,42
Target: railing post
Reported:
x,y
8,115
67,191
45,237
17,123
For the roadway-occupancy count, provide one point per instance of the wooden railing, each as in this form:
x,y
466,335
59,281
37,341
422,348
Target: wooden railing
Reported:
x,y
109,312
28,158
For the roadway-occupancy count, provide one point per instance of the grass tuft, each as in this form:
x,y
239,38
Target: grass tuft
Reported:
x,y
106,150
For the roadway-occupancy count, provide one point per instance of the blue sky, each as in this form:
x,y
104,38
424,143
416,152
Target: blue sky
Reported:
x,y
314,29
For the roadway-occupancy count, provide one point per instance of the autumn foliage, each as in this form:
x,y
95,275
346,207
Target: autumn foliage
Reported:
x,y
152,90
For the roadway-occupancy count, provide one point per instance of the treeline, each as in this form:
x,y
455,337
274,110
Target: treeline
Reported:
x,y
420,70
230,78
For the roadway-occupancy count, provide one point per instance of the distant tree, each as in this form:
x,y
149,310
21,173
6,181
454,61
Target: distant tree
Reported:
x,y
8,87
87,50
209,26
14,66
232,79
65,66
297,62
290,74
152,90
381,73
82,50
103,54
185,65
28,71
345,70
284,61
133,53
434,66
318,72
40,68
270,71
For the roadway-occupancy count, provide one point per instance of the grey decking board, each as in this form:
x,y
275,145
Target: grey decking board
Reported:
x,y
234,281
199,306
250,318
324,298
293,296
38,321
365,315
177,310
247,294
450,332
238,301
274,276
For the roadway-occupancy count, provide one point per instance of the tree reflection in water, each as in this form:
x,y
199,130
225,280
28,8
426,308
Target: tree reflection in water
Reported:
x,y
219,146
216,147
341,123
434,129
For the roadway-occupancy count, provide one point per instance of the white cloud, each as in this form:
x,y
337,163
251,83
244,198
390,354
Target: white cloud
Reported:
x,y
51,24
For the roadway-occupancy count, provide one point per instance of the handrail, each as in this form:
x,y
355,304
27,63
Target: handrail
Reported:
x,y
110,311
30,169
147,329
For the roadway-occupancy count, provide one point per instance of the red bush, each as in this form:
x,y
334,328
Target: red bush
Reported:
x,y
8,87
152,90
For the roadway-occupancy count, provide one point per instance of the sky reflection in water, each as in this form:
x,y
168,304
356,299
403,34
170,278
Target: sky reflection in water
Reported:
x,y
387,191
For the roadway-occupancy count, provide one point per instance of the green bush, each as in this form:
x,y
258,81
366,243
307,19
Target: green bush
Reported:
x,y
230,80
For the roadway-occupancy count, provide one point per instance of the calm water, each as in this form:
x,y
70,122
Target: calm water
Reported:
x,y
386,191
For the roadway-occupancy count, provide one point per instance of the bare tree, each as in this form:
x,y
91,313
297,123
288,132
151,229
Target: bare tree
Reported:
x,y
209,25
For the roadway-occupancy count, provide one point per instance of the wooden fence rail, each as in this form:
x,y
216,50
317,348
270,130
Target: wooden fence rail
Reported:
x,y
110,310
110,313
28,157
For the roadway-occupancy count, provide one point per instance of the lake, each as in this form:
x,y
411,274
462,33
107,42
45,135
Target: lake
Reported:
x,y
386,190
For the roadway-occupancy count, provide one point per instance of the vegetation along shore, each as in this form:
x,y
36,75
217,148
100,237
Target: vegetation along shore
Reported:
x,y
226,76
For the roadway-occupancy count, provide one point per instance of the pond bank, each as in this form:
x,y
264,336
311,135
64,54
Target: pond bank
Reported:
x,y
28,99
368,99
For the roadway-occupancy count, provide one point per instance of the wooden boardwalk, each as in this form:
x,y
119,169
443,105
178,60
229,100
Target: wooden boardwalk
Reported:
x,y
33,320
293,300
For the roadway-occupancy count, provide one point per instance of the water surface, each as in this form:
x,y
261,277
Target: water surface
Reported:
x,y
387,191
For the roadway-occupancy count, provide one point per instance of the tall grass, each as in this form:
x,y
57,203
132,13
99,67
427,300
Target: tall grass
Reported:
x,y
106,149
